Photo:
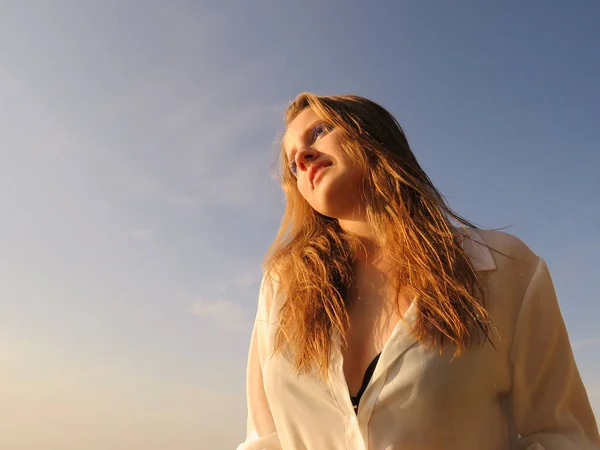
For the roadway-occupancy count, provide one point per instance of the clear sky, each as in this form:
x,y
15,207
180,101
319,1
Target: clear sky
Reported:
x,y
136,196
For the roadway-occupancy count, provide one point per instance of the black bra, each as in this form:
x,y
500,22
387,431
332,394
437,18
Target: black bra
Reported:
x,y
366,379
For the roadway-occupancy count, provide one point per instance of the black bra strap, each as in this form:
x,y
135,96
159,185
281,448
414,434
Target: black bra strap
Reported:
x,y
368,375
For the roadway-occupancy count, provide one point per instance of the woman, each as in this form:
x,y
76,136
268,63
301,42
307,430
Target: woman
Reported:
x,y
387,321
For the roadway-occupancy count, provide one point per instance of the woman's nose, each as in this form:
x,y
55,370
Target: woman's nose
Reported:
x,y
304,156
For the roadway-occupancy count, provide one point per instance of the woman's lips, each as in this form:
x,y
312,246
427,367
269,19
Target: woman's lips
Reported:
x,y
319,173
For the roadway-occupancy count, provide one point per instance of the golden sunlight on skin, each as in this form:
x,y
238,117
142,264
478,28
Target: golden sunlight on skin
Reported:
x,y
334,191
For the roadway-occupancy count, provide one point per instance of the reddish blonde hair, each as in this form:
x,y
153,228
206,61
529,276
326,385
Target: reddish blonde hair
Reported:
x,y
313,257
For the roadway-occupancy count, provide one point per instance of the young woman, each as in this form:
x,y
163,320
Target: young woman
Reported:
x,y
387,321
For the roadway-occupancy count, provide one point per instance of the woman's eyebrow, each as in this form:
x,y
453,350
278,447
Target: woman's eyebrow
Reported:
x,y
301,137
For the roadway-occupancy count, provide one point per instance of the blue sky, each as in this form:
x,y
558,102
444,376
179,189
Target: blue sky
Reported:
x,y
137,199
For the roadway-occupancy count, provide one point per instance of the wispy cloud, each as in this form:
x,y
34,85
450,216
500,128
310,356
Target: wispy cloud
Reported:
x,y
247,279
142,233
210,162
223,313
585,342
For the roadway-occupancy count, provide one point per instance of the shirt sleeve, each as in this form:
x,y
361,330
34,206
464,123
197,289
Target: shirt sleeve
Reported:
x,y
260,430
550,405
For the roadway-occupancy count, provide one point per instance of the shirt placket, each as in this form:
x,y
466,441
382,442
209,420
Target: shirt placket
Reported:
x,y
341,395
357,424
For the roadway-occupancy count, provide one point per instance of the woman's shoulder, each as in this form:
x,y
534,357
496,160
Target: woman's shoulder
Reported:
x,y
269,294
510,261
507,280
515,267
505,247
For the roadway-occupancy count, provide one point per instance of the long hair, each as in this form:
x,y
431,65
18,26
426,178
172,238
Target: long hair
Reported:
x,y
314,258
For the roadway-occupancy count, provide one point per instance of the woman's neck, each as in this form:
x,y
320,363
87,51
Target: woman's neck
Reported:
x,y
370,250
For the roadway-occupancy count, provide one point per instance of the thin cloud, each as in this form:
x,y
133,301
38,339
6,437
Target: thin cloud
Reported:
x,y
142,233
247,280
221,312
209,163
586,342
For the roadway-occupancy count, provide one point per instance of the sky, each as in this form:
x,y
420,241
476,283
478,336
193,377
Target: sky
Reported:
x,y
137,196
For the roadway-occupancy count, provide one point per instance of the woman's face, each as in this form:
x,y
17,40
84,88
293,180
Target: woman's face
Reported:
x,y
327,179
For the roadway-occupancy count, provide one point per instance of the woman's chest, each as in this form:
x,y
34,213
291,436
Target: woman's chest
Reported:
x,y
410,381
374,312
367,334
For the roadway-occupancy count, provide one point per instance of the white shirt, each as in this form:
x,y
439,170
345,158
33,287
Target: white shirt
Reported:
x,y
525,394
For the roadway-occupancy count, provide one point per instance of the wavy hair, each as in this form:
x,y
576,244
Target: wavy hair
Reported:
x,y
313,258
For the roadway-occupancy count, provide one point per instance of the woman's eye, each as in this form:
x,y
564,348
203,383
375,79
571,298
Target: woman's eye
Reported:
x,y
319,130
293,168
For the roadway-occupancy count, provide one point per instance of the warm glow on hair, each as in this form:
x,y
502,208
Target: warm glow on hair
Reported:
x,y
313,258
